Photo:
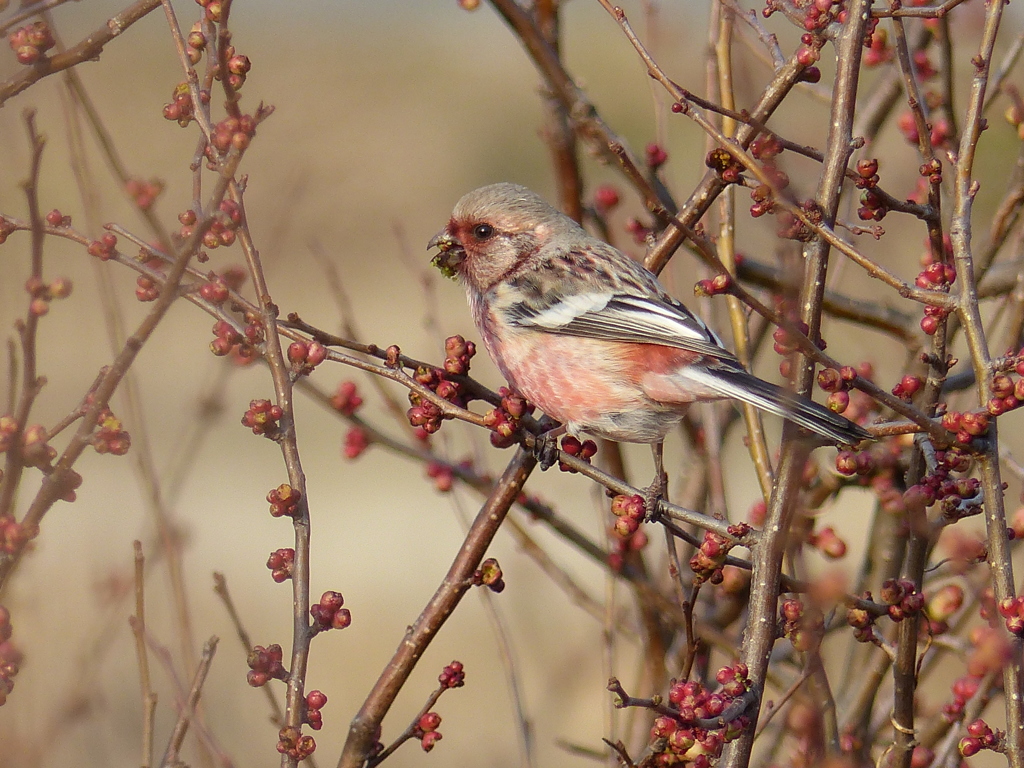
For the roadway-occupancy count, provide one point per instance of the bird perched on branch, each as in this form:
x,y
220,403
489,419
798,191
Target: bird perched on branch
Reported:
x,y
589,335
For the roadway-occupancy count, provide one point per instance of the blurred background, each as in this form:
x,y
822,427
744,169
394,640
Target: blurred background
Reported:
x,y
385,114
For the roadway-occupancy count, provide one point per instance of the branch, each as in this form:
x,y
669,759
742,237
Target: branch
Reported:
x,y
362,732
88,49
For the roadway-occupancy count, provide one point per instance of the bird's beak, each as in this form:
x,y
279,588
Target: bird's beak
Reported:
x,y
452,253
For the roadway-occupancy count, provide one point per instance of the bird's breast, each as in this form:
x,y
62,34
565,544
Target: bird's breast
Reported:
x,y
589,385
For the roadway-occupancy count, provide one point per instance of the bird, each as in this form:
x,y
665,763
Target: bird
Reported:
x,y
590,336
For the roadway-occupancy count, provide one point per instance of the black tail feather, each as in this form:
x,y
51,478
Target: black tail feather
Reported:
x,y
743,386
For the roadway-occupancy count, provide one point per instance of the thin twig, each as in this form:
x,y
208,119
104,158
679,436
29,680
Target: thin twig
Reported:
x,y
139,629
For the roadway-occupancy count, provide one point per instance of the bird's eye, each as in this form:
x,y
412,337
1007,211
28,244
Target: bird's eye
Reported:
x,y
483,231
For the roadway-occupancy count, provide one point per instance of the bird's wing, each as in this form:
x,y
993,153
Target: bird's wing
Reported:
x,y
622,317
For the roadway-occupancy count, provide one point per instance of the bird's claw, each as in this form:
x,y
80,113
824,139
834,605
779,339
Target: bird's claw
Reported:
x,y
654,494
545,450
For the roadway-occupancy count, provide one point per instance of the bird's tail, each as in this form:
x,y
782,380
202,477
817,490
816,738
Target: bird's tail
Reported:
x,y
743,386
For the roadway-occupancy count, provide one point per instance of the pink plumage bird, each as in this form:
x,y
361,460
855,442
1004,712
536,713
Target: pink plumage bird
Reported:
x,y
588,334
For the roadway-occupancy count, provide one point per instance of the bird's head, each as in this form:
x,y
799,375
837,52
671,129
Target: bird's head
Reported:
x,y
495,231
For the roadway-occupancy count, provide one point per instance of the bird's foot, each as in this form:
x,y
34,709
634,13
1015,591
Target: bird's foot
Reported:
x,y
654,494
545,449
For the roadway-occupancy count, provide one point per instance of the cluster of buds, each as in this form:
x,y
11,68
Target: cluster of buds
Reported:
x,y
346,399
196,43
304,356
964,689
489,575
707,562
42,293
35,450
1007,394
222,231
457,354
426,415
231,132
680,737
214,9
452,676
980,736
584,450
10,658
442,475
315,701
628,536
728,168
215,290
784,343
968,424
991,649
104,248
242,345
57,219
714,286
872,24
878,49
238,68
804,625
763,195
902,598
850,463
426,731
181,109
837,382
629,512
923,67
816,15
828,542
281,562
144,193
356,442
146,287
13,535
503,421
606,198
960,496
792,228
31,42
639,231
1012,610
939,135
907,387
284,501
265,664
655,156
1014,115
766,147
809,51
872,205
226,338
6,228
8,431
290,740
263,417
942,606
936,276
867,174
111,436
329,614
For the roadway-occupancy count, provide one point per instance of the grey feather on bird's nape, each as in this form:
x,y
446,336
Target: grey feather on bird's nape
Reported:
x,y
498,201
